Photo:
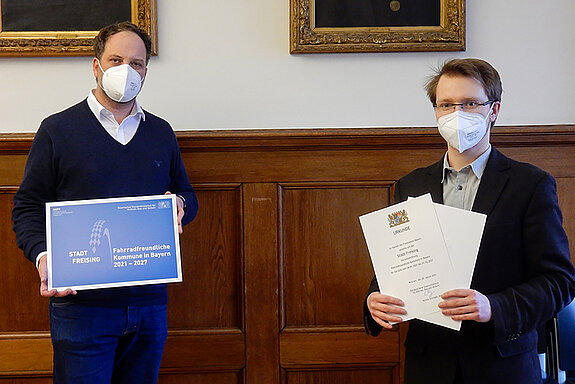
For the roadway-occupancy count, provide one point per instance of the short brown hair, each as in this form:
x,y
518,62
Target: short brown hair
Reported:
x,y
105,33
477,69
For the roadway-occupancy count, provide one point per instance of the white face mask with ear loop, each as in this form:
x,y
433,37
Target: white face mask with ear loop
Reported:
x,y
121,83
463,130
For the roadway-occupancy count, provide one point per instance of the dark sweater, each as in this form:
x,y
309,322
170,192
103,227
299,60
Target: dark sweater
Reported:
x,y
74,158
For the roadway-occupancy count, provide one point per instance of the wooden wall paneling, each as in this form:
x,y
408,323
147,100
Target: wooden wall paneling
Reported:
x,y
29,380
325,272
201,378
261,282
12,169
308,155
205,312
337,348
329,164
554,159
211,295
380,376
25,346
14,148
256,304
326,268
203,352
29,313
25,355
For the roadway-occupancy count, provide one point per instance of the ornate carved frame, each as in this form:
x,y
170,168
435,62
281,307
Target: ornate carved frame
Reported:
x,y
75,43
305,38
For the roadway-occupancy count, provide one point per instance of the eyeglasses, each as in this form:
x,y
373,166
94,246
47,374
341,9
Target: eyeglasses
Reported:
x,y
468,106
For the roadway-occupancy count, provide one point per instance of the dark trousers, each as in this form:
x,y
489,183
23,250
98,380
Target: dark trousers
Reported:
x,y
103,345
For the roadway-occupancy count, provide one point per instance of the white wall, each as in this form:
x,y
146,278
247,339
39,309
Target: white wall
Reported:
x,y
225,64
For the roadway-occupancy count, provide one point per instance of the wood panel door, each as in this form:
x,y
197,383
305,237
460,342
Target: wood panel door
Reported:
x,y
325,270
206,327
274,282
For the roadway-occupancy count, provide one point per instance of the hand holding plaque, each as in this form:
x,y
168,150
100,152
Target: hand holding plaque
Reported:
x,y
105,243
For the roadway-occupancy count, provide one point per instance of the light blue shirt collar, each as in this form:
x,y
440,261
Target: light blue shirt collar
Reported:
x,y
478,165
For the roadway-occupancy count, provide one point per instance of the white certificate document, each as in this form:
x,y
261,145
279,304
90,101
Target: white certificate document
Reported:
x,y
462,231
409,254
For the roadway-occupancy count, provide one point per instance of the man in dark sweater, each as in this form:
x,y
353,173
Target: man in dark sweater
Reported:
x,y
105,146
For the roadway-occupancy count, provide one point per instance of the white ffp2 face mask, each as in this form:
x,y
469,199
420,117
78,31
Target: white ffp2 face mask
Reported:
x,y
121,83
463,130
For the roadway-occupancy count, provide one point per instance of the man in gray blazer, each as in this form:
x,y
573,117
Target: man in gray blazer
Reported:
x,y
523,275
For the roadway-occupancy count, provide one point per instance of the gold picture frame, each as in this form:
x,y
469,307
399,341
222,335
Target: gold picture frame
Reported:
x,y
75,42
306,37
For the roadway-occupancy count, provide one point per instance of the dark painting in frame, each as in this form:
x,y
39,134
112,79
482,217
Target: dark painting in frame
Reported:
x,y
339,26
67,27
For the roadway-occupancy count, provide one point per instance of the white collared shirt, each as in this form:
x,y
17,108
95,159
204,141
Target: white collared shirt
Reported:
x,y
123,132
460,187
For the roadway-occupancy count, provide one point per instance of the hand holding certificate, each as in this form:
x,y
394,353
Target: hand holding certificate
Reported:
x,y
106,243
417,253
409,255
